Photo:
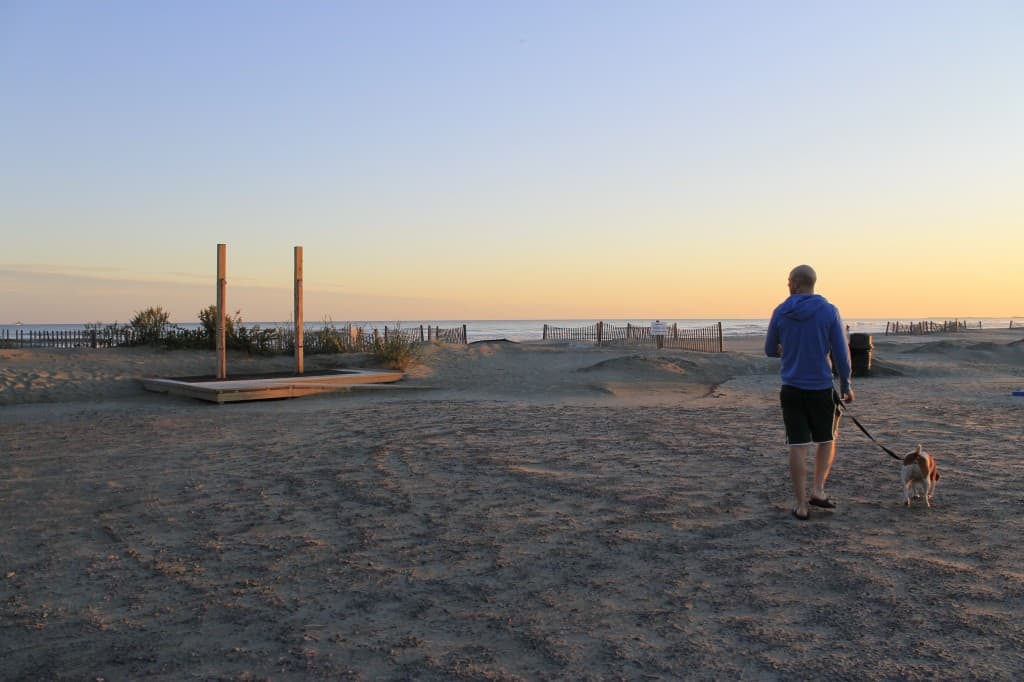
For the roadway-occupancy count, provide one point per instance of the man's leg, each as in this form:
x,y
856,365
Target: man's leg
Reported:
x,y
824,455
798,474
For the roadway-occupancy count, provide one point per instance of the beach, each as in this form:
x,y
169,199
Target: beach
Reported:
x,y
508,511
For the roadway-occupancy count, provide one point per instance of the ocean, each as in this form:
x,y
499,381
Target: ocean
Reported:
x,y
533,330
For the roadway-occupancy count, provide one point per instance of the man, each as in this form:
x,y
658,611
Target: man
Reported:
x,y
805,330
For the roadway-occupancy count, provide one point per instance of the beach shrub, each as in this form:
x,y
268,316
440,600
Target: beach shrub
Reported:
x,y
328,339
208,317
148,325
112,329
178,338
254,339
396,350
105,335
237,336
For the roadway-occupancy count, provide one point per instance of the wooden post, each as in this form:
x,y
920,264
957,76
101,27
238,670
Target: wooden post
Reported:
x,y
222,285
298,310
465,336
600,331
721,342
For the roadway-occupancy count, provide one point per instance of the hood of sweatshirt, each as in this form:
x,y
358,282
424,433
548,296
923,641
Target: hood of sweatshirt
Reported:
x,y
802,307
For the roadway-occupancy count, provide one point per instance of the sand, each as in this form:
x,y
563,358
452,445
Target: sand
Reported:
x,y
516,511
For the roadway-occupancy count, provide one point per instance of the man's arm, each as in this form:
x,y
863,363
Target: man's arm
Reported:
x,y
841,356
771,342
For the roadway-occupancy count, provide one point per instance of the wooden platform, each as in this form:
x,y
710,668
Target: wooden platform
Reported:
x,y
269,386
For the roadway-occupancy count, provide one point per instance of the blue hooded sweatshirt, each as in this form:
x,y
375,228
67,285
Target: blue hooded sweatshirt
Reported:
x,y
808,328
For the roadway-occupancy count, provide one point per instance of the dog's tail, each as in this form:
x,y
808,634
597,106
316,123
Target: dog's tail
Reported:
x,y
914,455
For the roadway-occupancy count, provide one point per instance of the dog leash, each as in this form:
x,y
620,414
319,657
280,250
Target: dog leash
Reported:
x,y
843,411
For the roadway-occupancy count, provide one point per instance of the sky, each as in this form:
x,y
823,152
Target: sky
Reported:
x,y
510,160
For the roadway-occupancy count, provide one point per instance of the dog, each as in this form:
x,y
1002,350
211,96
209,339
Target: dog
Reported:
x,y
920,474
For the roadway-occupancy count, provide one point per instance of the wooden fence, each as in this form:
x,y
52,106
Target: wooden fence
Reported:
x,y
702,339
267,340
588,333
927,327
365,339
77,338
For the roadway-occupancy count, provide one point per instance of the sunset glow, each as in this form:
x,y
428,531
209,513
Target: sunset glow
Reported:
x,y
528,161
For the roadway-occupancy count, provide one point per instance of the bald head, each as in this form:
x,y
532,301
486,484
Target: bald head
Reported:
x,y
802,279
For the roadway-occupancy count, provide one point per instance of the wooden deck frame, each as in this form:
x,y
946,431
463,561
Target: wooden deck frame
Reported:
x,y
221,389
269,387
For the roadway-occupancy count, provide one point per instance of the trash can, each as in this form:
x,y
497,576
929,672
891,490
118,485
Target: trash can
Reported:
x,y
861,346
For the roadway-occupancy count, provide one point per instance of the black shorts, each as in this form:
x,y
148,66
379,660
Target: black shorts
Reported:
x,y
810,416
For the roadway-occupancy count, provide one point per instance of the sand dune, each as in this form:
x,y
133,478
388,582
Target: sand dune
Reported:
x,y
532,512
